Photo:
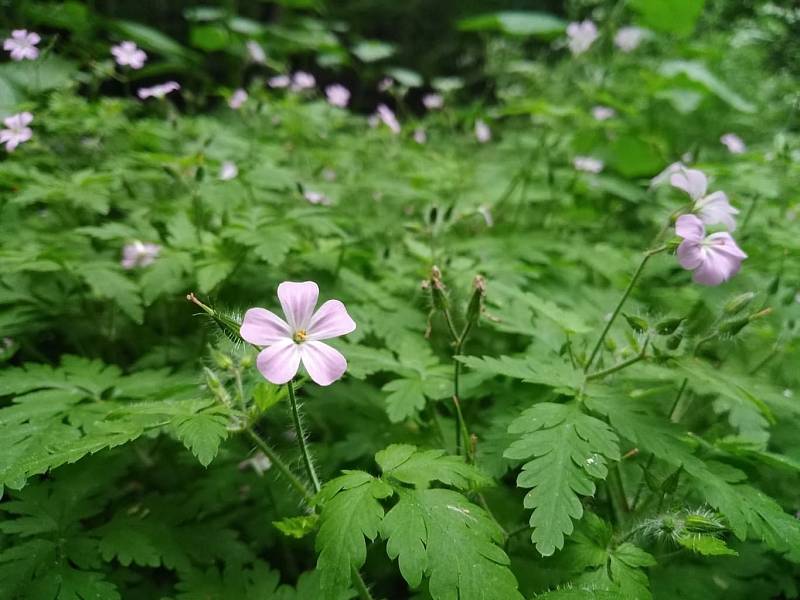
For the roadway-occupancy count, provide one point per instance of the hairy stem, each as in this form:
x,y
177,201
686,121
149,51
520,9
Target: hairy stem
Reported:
x,y
616,492
620,366
301,438
282,466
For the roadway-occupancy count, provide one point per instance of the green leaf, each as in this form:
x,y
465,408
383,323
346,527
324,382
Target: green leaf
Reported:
x,y
406,464
706,545
546,370
203,432
439,534
297,527
109,284
405,400
153,40
625,564
699,74
518,23
350,512
566,449
209,37
372,50
669,16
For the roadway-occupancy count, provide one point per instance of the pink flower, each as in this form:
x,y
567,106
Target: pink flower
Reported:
x,y
420,136
733,143
581,36
665,175
588,164
16,131
298,339
433,101
603,113
302,81
385,84
139,254
316,197
22,44
388,118
337,95
228,171
255,52
714,259
158,91
482,132
128,54
628,39
279,81
713,208
237,99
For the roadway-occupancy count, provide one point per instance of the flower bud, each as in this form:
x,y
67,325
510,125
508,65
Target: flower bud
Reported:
x,y
216,387
437,289
638,324
476,301
733,326
739,303
668,326
774,285
222,360
674,341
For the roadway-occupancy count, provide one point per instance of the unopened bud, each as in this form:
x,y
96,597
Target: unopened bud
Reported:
x,y
734,326
437,289
476,301
216,387
222,360
739,303
668,326
638,324
674,341
774,285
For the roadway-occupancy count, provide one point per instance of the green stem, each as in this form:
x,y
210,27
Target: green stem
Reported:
x,y
619,503
301,438
621,302
282,466
361,587
619,366
463,431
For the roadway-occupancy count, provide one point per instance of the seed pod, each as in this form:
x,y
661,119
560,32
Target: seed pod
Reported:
x,y
638,324
476,301
774,285
739,303
437,289
668,326
733,326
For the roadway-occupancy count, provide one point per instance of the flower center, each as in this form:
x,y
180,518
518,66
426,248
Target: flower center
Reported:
x,y
300,336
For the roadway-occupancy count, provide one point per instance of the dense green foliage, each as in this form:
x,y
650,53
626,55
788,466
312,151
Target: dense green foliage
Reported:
x,y
143,455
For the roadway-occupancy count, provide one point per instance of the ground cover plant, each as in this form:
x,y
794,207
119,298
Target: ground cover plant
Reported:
x,y
297,304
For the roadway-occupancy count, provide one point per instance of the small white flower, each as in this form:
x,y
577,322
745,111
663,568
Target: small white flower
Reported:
x,y
588,164
388,118
302,81
237,99
733,143
158,91
316,197
433,101
279,81
385,84
664,176
603,113
22,44
420,136
16,131
255,52
580,36
628,39
228,171
482,132
139,254
337,95
128,54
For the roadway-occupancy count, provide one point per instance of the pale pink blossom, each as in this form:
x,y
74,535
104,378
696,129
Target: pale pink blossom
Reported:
x,y
433,101
139,254
316,197
228,171
22,44
337,95
420,136
385,84
714,259
733,143
482,132
255,52
158,91
16,131
128,54
302,81
628,39
588,164
388,118
237,99
580,36
259,462
603,113
668,172
713,208
279,81
298,339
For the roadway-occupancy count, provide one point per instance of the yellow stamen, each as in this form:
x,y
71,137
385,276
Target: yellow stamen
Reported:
x,y
300,335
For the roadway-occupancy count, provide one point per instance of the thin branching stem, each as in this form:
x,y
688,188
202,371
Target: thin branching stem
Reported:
x,y
619,366
301,438
280,464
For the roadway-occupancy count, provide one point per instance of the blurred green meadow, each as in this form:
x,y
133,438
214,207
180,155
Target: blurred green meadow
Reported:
x,y
567,234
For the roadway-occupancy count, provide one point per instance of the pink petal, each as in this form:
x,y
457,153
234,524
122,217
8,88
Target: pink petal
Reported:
x,y
691,181
690,254
279,363
263,328
323,363
331,320
689,227
723,243
712,272
715,208
298,301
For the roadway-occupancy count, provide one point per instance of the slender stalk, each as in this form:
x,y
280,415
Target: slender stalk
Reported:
x,y
301,438
621,302
463,431
361,587
282,466
620,366
616,491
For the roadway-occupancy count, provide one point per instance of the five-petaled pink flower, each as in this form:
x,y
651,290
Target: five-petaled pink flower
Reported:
x,y
16,131
388,118
713,208
733,143
315,197
714,258
482,132
628,39
279,81
22,44
337,95
299,338
128,54
237,99
580,36
255,52
139,254
433,101
302,81
159,91
603,113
